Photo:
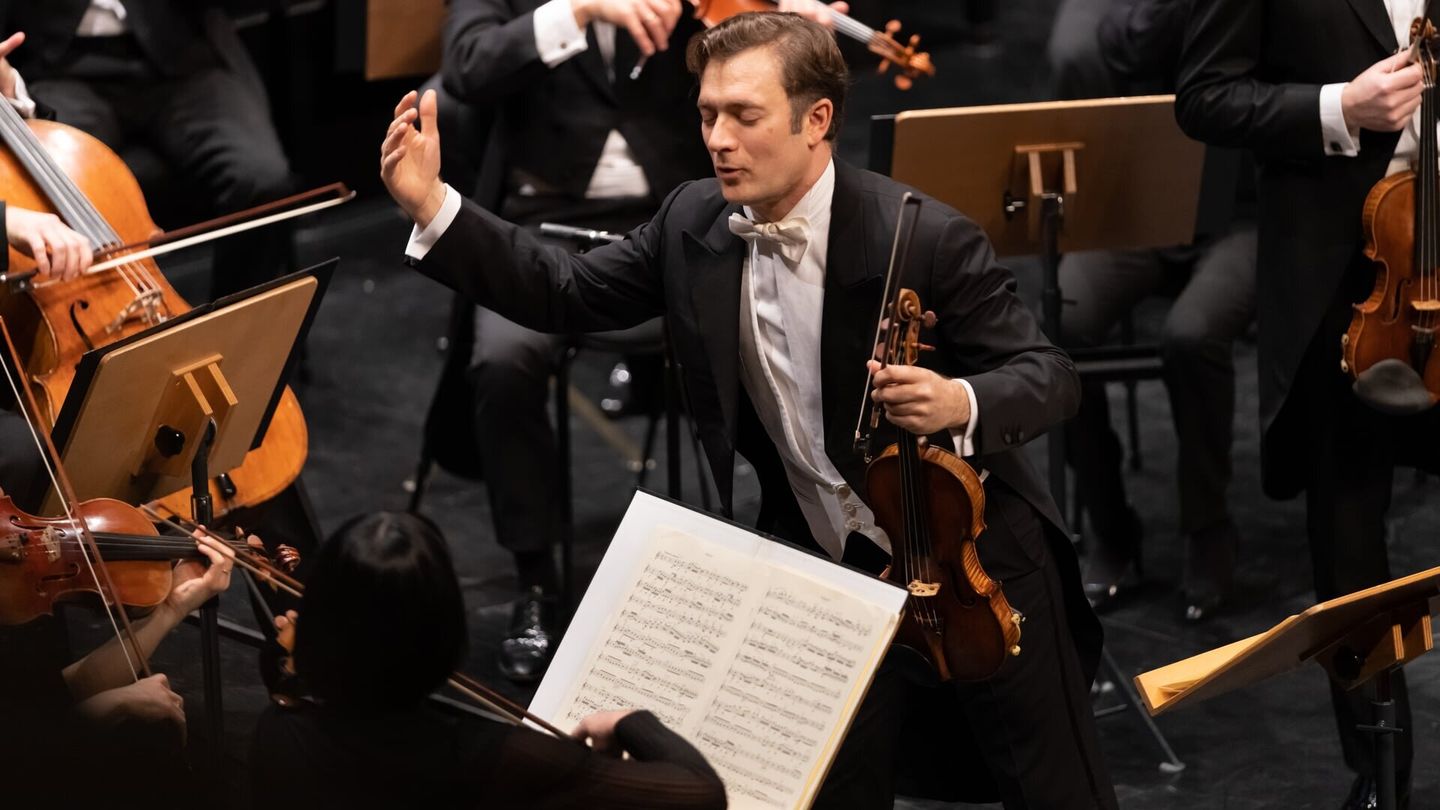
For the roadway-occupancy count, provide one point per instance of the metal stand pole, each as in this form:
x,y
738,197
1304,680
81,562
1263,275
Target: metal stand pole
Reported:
x,y
1384,731
202,512
1052,219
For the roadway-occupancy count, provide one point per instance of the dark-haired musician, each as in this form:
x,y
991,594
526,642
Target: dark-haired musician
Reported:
x,y
770,276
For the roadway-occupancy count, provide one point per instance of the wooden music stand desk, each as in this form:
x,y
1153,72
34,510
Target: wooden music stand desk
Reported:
x,y
173,405
1044,179
1356,638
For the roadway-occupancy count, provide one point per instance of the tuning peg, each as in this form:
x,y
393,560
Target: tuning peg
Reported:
x,y
929,319
926,347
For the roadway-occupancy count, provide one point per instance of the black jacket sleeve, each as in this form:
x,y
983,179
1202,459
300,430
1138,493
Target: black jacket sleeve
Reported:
x,y
489,50
1222,98
503,267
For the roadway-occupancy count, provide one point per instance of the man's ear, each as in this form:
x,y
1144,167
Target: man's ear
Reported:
x,y
817,121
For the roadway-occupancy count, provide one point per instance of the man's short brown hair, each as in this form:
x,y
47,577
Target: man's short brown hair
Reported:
x,y
812,67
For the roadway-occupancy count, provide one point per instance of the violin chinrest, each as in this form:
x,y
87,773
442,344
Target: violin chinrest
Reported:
x,y
1392,387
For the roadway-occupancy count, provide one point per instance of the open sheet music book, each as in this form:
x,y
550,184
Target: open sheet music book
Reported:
x,y
756,652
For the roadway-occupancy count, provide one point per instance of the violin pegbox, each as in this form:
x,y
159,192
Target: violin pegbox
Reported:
x,y
909,61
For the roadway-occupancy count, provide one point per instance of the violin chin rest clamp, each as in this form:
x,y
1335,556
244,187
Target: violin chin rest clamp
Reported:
x,y
1393,387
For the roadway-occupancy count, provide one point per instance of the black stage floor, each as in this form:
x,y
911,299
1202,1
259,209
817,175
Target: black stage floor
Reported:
x,y
373,363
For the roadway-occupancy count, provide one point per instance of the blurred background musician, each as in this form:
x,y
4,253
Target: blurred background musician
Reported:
x,y
168,86
1328,109
1102,48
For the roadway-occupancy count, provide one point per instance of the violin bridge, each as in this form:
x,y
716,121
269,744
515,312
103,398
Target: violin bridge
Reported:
x,y
1427,305
918,588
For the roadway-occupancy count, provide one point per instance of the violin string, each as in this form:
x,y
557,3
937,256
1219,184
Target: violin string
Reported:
x,y
108,600
244,555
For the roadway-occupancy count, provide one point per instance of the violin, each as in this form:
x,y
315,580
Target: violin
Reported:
x,y
43,560
908,61
931,504
1389,348
56,168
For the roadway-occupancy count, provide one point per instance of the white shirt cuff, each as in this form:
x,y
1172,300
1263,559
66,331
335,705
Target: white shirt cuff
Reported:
x,y
22,102
965,439
1339,139
422,241
557,36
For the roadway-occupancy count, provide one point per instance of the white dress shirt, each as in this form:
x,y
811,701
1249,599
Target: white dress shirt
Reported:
x,y
558,39
781,312
104,18
1340,139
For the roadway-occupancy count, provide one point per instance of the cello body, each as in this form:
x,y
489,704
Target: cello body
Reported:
x,y
54,324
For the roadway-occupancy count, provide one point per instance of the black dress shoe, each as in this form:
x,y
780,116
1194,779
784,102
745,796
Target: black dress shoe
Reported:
x,y
1365,789
1209,577
528,646
1113,564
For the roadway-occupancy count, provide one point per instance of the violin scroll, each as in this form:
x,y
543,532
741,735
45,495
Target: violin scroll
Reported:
x,y
909,61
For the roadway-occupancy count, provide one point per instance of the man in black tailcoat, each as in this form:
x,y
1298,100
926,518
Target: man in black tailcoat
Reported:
x,y
1318,94
771,277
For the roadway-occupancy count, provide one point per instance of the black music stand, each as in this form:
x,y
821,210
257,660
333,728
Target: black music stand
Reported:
x,y
168,407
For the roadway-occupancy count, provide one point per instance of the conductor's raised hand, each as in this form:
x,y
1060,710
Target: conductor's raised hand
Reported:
x,y
410,158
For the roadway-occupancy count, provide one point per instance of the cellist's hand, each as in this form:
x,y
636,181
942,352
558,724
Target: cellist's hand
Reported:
x,y
815,10
919,400
57,250
7,72
410,158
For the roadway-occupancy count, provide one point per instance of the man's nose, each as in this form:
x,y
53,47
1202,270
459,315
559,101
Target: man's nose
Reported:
x,y
721,138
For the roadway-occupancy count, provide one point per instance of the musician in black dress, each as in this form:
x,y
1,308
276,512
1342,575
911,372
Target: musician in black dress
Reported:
x,y
382,626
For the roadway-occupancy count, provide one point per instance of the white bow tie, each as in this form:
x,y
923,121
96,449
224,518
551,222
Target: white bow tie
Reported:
x,y
788,237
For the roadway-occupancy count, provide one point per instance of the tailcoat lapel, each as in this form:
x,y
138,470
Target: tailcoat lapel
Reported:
x,y
854,282
1377,20
713,262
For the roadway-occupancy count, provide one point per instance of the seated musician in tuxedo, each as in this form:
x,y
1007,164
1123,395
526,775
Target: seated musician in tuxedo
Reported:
x,y
382,626
770,276
171,76
1102,48
579,138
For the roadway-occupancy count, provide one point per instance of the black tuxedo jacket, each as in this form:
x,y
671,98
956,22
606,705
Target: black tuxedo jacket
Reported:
x,y
171,33
1250,77
686,265
553,122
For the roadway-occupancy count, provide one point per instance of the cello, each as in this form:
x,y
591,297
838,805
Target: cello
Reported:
x,y
931,504
1389,348
52,167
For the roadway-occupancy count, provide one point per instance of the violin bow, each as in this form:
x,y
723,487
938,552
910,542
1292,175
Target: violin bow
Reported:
x,y
899,251
89,549
120,255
